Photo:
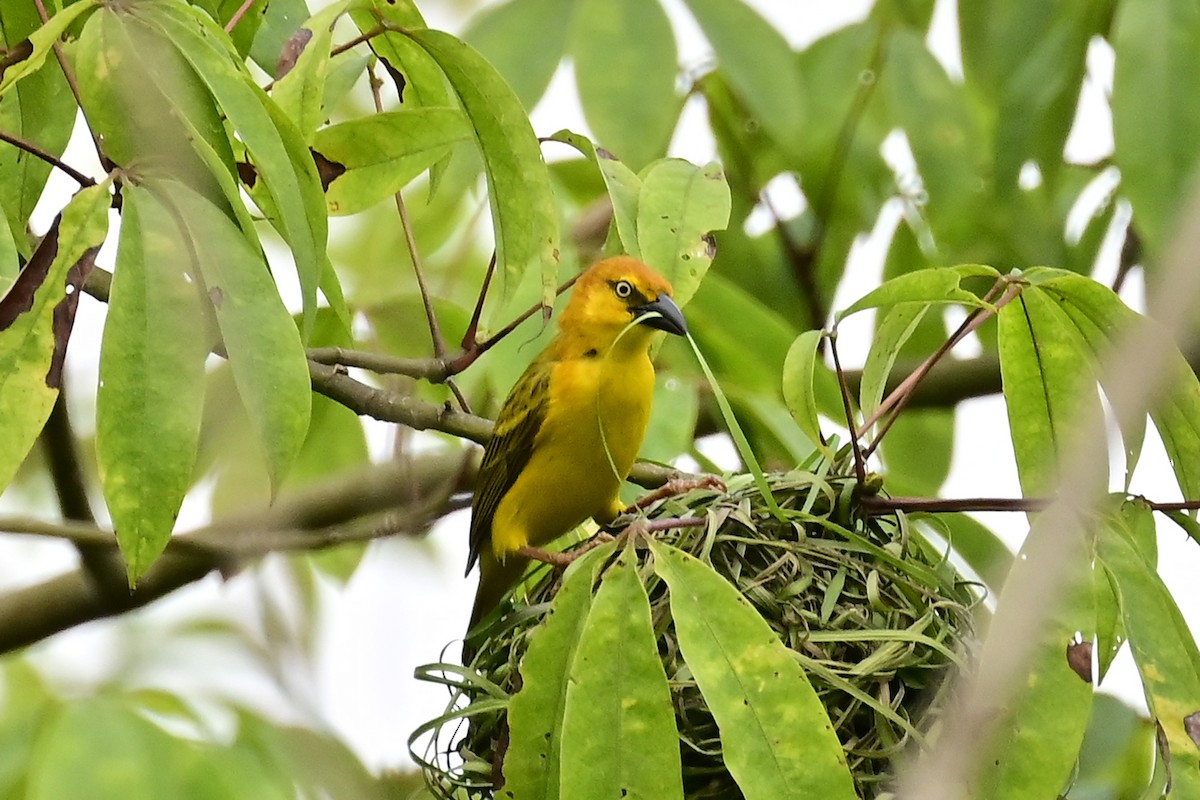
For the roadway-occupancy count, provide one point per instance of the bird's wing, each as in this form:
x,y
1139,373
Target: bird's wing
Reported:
x,y
509,450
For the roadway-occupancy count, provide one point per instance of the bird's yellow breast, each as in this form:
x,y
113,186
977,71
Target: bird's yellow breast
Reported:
x,y
595,422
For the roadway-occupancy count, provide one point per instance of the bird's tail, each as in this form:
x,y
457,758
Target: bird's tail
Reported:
x,y
495,579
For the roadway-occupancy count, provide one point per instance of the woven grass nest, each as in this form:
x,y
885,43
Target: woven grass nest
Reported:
x,y
874,614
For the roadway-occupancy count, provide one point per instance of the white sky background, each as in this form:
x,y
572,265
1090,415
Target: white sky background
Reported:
x,y
409,599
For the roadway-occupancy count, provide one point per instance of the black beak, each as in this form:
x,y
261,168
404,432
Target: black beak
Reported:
x,y
662,314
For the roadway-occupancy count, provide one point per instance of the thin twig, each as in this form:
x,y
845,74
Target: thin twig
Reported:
x,y
410,240
357,40
72,83
898,399
860,467
237,16
48,157
469,342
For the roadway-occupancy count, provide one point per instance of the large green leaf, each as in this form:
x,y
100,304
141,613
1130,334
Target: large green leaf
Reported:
x,y
759,65
419,78
1049,387
1101,317
151,392
619,724
947,142
625,65
1164,650
1035,751
28,340
775,735
260,338
679,206
274,144
99,749
501,32
371,158
524,216
146,103
1155,124
917,450
533,762
1028,58
38,109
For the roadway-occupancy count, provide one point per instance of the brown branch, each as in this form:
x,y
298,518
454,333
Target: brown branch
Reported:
x,y
66,473
434,370
36,612
410,241
48,157
237,16
73,84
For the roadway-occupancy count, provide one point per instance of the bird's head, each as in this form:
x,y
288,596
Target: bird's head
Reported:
x,y
614,292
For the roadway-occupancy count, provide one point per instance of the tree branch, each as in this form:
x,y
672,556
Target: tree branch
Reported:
x,y
48,157
36,612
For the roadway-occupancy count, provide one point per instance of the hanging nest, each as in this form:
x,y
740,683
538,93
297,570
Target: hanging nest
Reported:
x,y
874,614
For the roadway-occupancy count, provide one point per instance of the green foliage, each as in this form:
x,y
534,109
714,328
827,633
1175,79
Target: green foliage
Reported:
x,y
227,145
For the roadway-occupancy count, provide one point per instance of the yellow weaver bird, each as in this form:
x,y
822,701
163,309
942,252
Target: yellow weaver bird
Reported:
x,y
572,425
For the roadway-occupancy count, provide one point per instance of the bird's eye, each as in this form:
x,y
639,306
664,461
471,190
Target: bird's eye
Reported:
x,y
623,289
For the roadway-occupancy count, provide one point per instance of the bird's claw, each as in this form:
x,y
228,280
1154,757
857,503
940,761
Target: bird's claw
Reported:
x,y
674,487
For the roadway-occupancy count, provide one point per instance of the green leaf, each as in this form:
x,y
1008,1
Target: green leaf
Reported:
x,y
1175,410
38,109
98,749
672,428
28,340
40,43
146,103
892,329
1164,650
423,83
28,705
500,33
775,735
269,364
798,370
759,64
1028,59
625,65
1035,752
371,158
535,714
624,187
279,23
151,392
618,729
300,94
918,448
1155,126
10,266
679,206
1049,387
933,285
941,125
273,143
524,214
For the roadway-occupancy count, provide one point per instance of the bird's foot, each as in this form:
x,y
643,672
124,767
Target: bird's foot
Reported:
x,y
563,560
674,487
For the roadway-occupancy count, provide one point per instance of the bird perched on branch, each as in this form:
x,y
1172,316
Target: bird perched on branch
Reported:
x,y
572,425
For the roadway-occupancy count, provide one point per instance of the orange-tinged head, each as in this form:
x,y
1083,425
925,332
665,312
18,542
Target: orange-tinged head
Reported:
x,y
616,291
